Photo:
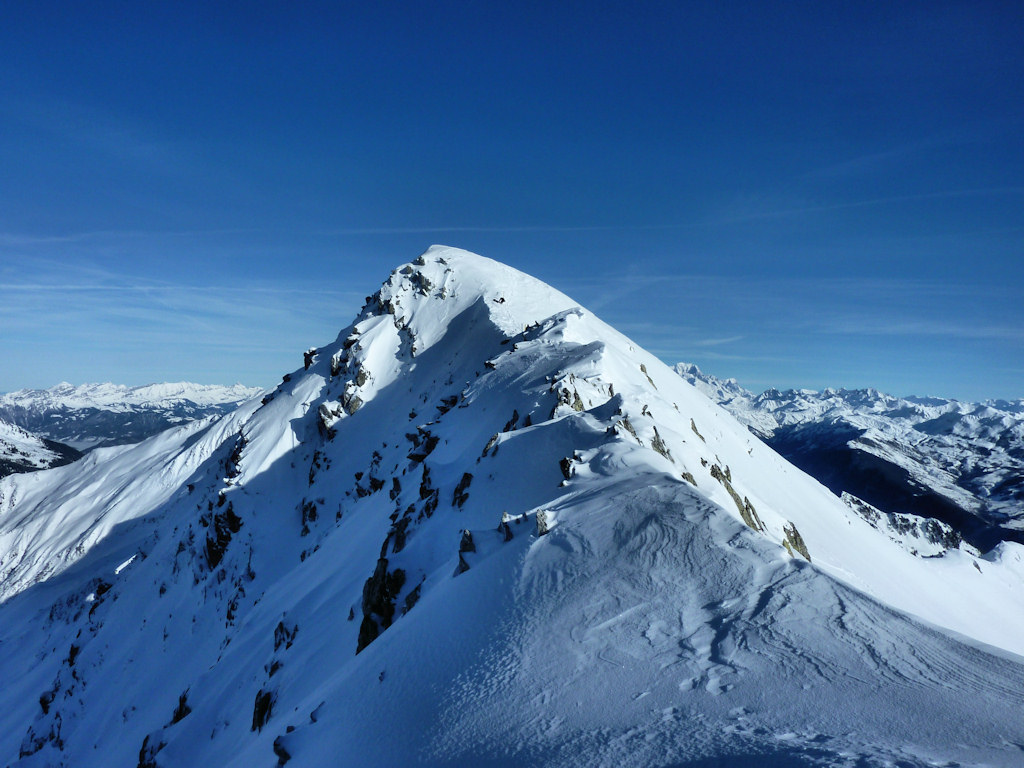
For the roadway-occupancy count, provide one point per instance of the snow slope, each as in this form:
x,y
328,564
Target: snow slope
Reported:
x,y
546,547
960,462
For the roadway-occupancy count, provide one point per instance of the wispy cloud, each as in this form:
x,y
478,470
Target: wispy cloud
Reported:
x,y
22,240
246,327
890,158
412,230
756,213
909,327
100,131
718,342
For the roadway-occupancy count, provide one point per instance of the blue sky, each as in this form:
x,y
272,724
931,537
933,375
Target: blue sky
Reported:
x,y
794,194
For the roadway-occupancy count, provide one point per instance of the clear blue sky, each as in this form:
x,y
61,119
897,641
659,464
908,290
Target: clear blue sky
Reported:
x,y
795,194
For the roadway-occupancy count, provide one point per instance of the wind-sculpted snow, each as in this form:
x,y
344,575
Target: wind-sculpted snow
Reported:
x,y
483,528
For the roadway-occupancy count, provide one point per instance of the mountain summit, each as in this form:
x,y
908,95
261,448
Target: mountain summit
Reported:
x,y
483,527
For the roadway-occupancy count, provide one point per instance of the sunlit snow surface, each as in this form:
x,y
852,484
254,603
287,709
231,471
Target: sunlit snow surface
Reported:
x,y
198,599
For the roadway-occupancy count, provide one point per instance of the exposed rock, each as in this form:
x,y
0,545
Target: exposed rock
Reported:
x,y
282,754
567,396
225,524
794,541
411,599
643,368
461,495
232,465
625,424
284,634
693,426
939,533
352,403
542,522
398,532
327,416
148,752
262,709
182,710
659,445
424,443
510,425
379,594
750,516
466,542
565,464
747,511
338,362
905,525
309,515
46,699
447,403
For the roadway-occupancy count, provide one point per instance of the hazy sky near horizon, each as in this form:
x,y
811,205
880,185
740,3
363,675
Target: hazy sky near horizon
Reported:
x,y
794,194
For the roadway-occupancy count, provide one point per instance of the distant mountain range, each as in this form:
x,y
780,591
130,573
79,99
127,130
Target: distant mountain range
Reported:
x,y
41,428
962,463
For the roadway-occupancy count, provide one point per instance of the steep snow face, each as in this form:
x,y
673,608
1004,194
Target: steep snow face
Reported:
x,y
92,415
482,527
960,462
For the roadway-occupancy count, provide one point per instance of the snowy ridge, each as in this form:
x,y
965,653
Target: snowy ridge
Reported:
x,y
963,461
482,527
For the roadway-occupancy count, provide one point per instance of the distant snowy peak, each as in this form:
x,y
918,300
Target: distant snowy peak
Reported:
x,y
729,394
712,386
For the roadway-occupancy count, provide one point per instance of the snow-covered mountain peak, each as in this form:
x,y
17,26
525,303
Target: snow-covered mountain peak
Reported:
x,y
444,282
481,526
